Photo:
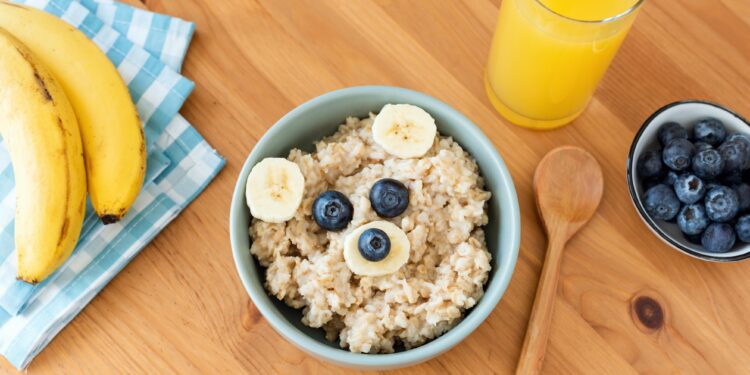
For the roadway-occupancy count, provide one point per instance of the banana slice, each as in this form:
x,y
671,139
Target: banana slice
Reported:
x,y
397,257
274,190
404,130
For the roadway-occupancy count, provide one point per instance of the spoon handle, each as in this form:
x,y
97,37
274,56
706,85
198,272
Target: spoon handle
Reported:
x,y
535,343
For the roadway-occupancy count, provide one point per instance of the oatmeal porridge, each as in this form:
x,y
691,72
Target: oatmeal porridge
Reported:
x,y
437,269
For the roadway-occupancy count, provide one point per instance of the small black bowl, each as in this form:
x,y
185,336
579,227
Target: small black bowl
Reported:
x,y
686,113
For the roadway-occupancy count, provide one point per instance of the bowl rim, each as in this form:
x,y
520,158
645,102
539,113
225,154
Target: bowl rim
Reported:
x,y
639,206
493,290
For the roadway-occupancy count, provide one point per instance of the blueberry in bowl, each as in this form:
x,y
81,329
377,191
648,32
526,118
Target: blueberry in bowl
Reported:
x,y
661,202
671,131
735,155
709,131
689,188
678,154
692,219
708,164
718,238
722,204
650,165
688,172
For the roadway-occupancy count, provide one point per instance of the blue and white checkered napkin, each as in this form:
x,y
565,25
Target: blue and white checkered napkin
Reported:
x,y
148,50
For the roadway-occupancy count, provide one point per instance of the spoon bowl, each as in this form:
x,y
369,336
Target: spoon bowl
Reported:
x,y
568,186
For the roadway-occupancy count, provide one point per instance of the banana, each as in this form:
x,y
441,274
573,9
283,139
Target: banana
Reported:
x,y
113,142
404,130
41,133
274,190
397,257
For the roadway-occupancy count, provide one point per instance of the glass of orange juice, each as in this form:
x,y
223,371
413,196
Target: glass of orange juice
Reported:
x,y
548,56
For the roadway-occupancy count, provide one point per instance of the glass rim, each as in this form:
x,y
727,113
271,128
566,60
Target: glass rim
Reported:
x,y
600,21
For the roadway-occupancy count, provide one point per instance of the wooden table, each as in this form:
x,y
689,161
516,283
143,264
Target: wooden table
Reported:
x,y
179,306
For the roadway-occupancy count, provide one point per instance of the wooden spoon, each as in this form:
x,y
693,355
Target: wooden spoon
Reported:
x,y
568,187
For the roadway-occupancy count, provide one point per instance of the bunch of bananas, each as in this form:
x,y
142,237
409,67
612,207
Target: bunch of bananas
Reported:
x,y
70,127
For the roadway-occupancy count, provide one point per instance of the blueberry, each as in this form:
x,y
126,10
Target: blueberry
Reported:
x,y
650,164
692,219
700,146
739,137
661,203
374,245
743,196
332,210
689,188
709,130
718,238
670,178
389,198
722,204
670,131
708,164
678,154
735,154
743,228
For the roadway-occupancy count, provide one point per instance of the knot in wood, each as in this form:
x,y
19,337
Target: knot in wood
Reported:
x,y
649,312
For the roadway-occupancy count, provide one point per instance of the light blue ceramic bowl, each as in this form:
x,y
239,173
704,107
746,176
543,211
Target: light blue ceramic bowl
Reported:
x,y
320,117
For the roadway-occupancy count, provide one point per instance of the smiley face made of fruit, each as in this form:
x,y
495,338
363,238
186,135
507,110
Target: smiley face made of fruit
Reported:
x,y
379,247
275,187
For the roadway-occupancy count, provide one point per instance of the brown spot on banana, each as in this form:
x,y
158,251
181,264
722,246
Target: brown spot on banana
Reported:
x,y
63,231
142,147
68,182
42,86
38,78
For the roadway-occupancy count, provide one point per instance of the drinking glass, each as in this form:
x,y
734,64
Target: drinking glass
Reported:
x,y
548,56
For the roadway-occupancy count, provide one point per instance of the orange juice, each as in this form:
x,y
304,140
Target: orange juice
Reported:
x,y
548,56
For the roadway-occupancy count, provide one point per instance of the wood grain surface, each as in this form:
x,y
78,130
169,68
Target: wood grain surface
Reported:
x,y
627,303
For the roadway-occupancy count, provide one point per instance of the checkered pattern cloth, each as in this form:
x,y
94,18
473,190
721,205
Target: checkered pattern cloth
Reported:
x,y
148,50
